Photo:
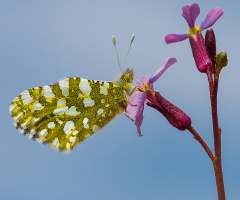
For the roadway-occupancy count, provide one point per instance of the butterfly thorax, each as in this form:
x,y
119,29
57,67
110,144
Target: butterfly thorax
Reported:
x,y
125,81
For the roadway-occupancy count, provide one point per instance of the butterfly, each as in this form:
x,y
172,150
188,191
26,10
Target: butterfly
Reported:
x,y
64,114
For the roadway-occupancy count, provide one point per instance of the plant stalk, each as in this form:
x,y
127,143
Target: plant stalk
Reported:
x,y
202,142
217,163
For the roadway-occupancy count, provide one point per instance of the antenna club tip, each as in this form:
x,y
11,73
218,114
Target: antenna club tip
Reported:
x,y
133,36
114,39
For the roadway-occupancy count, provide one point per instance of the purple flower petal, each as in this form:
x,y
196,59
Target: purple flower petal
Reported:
x,y
170,38
140,81
166,64
190,13
211,18
135,108
144,79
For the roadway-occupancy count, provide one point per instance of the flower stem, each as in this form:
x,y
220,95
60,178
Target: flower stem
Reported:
x,y
202,142
210,80
217,163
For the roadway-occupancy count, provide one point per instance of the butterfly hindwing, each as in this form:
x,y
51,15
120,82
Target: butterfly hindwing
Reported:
x,y
64,114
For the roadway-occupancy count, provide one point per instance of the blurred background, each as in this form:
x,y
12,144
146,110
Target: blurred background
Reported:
x,y
43,41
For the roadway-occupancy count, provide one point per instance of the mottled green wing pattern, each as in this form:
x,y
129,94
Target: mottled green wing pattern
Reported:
x,y
64,114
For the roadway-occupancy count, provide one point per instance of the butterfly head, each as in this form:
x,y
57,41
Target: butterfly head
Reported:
x,y
127,75
125,80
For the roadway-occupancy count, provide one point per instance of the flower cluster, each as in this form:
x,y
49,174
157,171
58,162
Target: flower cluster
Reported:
x,y
204,53
207,61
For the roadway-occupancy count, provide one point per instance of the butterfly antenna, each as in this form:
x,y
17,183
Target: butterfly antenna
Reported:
x,y
133,36
115,44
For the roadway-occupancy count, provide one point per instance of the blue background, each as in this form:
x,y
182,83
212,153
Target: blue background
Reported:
x,y
43,41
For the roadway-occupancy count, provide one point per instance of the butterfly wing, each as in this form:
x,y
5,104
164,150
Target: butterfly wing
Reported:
x,y
64,114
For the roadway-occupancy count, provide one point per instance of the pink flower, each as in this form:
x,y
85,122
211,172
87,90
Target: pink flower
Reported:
x,y
199,53
146,95
190,13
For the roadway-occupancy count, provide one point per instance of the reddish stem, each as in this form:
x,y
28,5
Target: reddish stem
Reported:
x,y
217,163
210,80
202,142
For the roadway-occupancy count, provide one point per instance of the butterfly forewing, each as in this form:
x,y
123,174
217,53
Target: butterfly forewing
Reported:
x,y
64,114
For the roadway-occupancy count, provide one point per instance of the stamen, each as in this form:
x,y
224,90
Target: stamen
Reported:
x,y
140,89
145,85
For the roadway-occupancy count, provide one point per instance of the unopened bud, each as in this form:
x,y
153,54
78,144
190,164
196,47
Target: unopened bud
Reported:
x,y
222,60
210,43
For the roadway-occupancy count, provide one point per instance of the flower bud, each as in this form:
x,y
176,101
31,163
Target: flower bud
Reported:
x,y
210,43
222,60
